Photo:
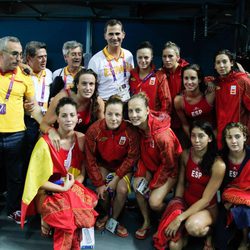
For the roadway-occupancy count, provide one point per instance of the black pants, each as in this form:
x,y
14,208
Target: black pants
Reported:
x,y
221,233
12,162
31,136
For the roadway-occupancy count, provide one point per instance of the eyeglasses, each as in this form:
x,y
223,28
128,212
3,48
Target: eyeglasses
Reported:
x,y
14,53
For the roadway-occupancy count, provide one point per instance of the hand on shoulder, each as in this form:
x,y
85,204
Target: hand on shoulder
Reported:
x,y
81,140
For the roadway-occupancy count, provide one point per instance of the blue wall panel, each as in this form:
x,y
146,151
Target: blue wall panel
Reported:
x,y
55,33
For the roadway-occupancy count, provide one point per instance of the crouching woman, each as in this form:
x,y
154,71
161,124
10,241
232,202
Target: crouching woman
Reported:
x,y
54,183
201,174
158,163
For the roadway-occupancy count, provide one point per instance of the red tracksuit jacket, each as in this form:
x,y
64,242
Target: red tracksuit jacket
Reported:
x,y
160,150
175,87
155,85
115,150
232,101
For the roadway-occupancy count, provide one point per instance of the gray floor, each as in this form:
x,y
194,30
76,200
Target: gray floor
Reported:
x,y
13,238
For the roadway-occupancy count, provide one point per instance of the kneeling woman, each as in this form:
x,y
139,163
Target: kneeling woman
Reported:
x,y
112,148
201,174
54,182
236,194
158,163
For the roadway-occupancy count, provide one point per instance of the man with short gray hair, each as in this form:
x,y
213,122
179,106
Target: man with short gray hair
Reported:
x,y
15,87
63,77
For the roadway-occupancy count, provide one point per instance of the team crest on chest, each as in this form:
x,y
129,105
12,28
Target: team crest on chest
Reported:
x,y
122,140
233,90
152,81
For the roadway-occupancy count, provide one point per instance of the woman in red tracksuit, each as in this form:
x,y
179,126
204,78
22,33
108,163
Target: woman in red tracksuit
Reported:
x,y
172,68
112,147
158,163
234,212
232,94
145,78
201,174
53,185
90,107
194,103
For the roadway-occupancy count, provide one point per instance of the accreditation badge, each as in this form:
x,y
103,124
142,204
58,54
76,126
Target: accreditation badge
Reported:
x,y
112,225
43,106
2,108
122,140
233,90
123,91
152,81
70,79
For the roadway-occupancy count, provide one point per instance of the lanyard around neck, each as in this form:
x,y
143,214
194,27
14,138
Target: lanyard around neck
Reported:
x,y
113,71
43,89
10,87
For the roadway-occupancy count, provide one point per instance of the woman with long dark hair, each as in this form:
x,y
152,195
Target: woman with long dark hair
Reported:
x,y
232,93
201,174
90,107
54,183
235,191
146,78
194,103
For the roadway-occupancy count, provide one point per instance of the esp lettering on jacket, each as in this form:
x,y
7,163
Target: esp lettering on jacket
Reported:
x,y
196,174
233,173
196,112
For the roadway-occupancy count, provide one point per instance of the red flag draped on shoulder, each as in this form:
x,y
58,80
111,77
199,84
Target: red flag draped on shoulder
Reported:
x,y
39,171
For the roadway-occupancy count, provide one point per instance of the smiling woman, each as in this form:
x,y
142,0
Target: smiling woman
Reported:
x,y
90,107
158,163
194,103
145,78
111,150
232,91
56,185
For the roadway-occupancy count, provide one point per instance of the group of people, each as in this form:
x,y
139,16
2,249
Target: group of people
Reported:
x,y
168,129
